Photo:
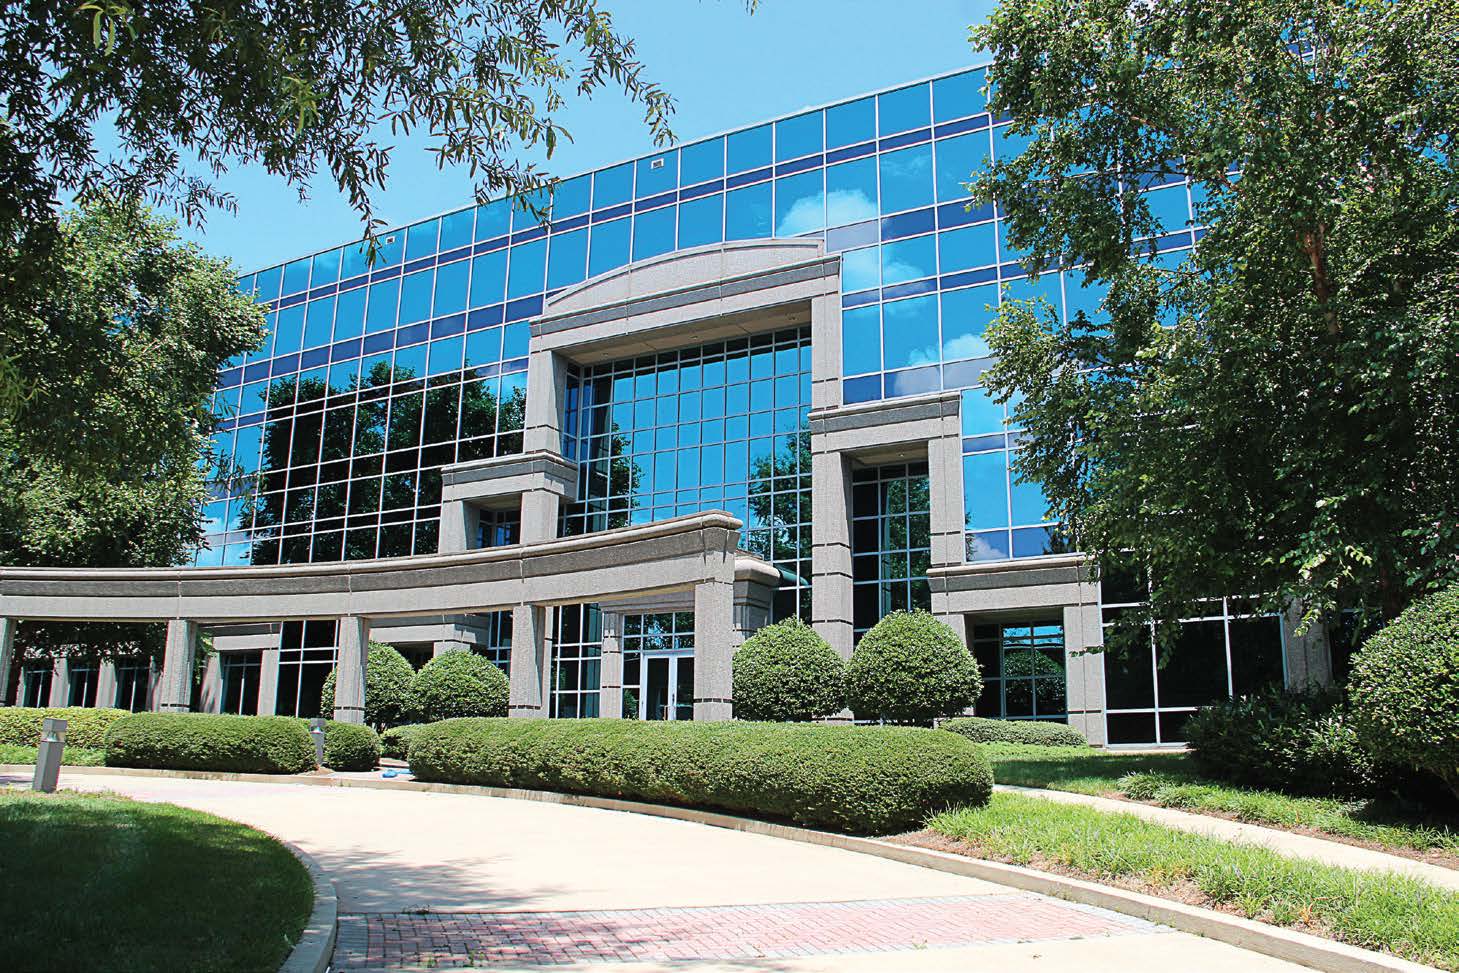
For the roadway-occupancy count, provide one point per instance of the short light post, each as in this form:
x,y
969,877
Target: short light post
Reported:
x,y
48,756
316,730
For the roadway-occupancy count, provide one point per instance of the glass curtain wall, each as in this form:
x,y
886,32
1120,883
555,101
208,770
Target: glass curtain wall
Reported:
x,y
891,542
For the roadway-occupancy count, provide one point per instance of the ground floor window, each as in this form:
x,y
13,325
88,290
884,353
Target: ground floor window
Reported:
x,y
891,542
577,661
133,683
307,652
35,684
658,666
1023,671
81,676
240,672
498,644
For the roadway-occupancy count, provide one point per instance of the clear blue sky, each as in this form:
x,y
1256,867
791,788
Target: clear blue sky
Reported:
x,y
723,66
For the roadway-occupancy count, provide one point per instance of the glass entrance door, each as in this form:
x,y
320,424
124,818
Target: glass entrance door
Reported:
x,y
668,688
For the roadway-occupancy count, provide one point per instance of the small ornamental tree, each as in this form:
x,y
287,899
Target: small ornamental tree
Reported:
x,y
1404,688
787,673
459,684
910,668
387,687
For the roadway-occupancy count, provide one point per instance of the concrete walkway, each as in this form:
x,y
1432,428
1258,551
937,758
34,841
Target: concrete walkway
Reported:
x,y
446,881
1283,842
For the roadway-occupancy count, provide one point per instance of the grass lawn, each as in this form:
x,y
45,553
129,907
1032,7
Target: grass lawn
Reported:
x,y
105,883
72,757
1383,912
1170,780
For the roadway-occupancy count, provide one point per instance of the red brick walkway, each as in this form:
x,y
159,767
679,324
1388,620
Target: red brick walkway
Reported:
x,y
393,940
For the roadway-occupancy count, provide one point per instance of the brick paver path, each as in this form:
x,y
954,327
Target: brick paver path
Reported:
x,y
396,940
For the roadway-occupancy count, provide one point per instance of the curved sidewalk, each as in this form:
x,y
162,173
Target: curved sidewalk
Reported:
x,y
1287,843
442,881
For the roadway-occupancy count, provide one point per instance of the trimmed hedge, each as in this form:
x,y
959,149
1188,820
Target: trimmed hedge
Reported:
x,y
204,741
459,684
867,780
395,742
85,727
1404,688
350,746
982,730
786,672
911,668
388,697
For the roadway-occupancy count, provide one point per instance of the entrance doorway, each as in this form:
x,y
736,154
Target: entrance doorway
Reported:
x,y
667,692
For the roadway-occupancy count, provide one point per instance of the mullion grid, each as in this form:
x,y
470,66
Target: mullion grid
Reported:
x,y
654,633
892,505
577,659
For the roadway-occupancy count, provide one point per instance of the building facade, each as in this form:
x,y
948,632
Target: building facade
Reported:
x,y
784,323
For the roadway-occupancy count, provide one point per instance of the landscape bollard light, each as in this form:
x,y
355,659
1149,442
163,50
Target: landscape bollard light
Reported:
x,y
48,756
316,730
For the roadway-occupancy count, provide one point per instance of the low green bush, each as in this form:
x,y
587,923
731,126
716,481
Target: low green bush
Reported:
x,y
395,742
911,668
85,727
388,678
350,746
1405,688
787,673
204,741
982,730
459,684
868,780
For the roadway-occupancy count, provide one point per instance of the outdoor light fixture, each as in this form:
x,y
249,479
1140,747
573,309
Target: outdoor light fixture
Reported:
x,y
48,757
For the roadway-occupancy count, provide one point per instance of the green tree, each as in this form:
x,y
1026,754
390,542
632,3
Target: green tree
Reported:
x,y
1273,411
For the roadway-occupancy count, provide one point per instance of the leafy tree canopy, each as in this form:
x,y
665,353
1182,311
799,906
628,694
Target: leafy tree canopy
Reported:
x,y
1275,412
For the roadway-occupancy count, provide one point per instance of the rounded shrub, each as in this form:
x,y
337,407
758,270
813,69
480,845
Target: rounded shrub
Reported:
x,y
910,668
982,730
787,673
1404,688
85,727
859,779
388,679
459,684
204,741
350,746
395,742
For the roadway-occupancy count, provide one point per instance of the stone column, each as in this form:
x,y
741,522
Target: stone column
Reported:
x,y
539,516
831,551
529,677
60,681
714,648
826,351
610,682
945,490
1083,668
106,683
546,392
349,676
460,527
7,658
1308,657
210,693
268,681
176,692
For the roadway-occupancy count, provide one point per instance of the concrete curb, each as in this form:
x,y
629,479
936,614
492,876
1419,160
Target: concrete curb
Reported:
x,y
315,948
1283,944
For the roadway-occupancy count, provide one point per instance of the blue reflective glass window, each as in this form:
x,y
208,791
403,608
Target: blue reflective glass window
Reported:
x,y
1028,503
349,314
749,149
906,179
981,414
798,136
654,179
456,229
1008,144
255,399
530,209
965,317
861,340
355,260
572,197
958,159
851,124
266,284
860,269
613,186
384,297
701,221
296,276
903,109
270,326
489,278
958,96
391,248
851,192
483,347
420,239
567,259
906,260
1088,298
515,337
450,288
747,212
410,363
527,269
445,356
653,232
967,247
1169,208
1007,252
415,296
289,331
909,332
1045,288
325,269
344,375
608,247
989,545
701,162
318,322
493,219
800,205
985,490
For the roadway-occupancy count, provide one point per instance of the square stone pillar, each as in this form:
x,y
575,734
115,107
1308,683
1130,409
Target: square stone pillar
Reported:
x,y
826,351
539,516
349,676
175,695
210,693
7,658
715,639
531,659
546,393
610,680
945,490
831,551
268,681
106,683
1084,669
1307,661
460,527
60,681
